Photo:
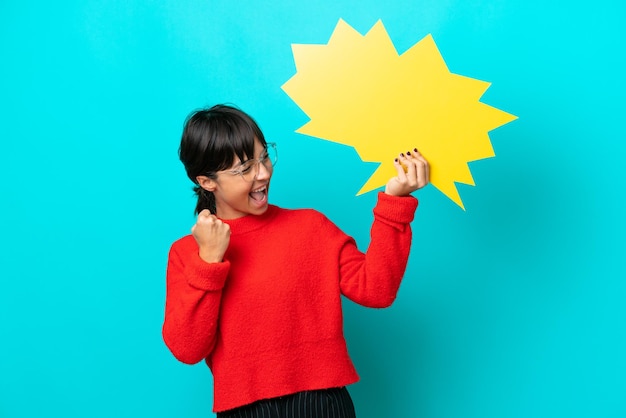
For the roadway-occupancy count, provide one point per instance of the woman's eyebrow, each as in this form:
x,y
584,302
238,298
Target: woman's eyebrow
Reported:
x,y
262,154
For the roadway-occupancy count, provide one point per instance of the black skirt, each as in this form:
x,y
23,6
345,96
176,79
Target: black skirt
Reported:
x,y
325,403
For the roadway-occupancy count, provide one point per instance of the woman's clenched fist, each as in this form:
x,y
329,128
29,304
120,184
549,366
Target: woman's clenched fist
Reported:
x,y
212,236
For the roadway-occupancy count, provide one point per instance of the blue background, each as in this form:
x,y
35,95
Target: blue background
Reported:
x,y
514,308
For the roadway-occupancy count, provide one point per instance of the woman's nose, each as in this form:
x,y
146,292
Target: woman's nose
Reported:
x,y
263,172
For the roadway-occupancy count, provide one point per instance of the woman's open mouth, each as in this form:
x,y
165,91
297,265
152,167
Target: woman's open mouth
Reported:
x,y
260,194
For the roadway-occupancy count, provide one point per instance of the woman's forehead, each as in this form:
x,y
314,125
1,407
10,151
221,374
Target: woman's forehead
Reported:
x,y
258,151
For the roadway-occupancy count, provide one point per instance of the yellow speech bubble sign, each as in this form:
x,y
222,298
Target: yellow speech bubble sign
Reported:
x,y
358,91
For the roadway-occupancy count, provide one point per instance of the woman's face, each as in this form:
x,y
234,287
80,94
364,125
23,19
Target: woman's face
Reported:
x,y
236,197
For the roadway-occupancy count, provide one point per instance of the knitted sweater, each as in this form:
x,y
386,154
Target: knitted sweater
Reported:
x,y
268,319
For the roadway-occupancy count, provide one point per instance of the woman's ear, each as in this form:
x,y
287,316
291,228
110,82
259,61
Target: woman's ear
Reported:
x,y
206,183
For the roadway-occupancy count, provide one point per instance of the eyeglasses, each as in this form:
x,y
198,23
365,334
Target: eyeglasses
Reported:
x,y
249,169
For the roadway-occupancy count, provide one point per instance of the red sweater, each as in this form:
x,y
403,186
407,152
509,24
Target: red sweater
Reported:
x,y
268,319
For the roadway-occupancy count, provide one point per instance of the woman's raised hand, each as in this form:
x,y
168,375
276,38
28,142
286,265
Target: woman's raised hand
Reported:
x,y
413,173
212,236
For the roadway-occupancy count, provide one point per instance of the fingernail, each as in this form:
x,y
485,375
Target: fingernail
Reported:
x,y
401,154
408,153
415,149
396,160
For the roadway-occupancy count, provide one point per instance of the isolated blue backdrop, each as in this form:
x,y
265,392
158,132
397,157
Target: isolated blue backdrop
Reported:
x,y
514,308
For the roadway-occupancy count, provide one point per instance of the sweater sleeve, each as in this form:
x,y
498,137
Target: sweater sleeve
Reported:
x,y
373,279
193,295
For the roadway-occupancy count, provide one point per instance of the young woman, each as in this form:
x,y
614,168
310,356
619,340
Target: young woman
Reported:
x,y
255,290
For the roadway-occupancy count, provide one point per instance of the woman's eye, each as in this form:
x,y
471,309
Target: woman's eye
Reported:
x,y
246,168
